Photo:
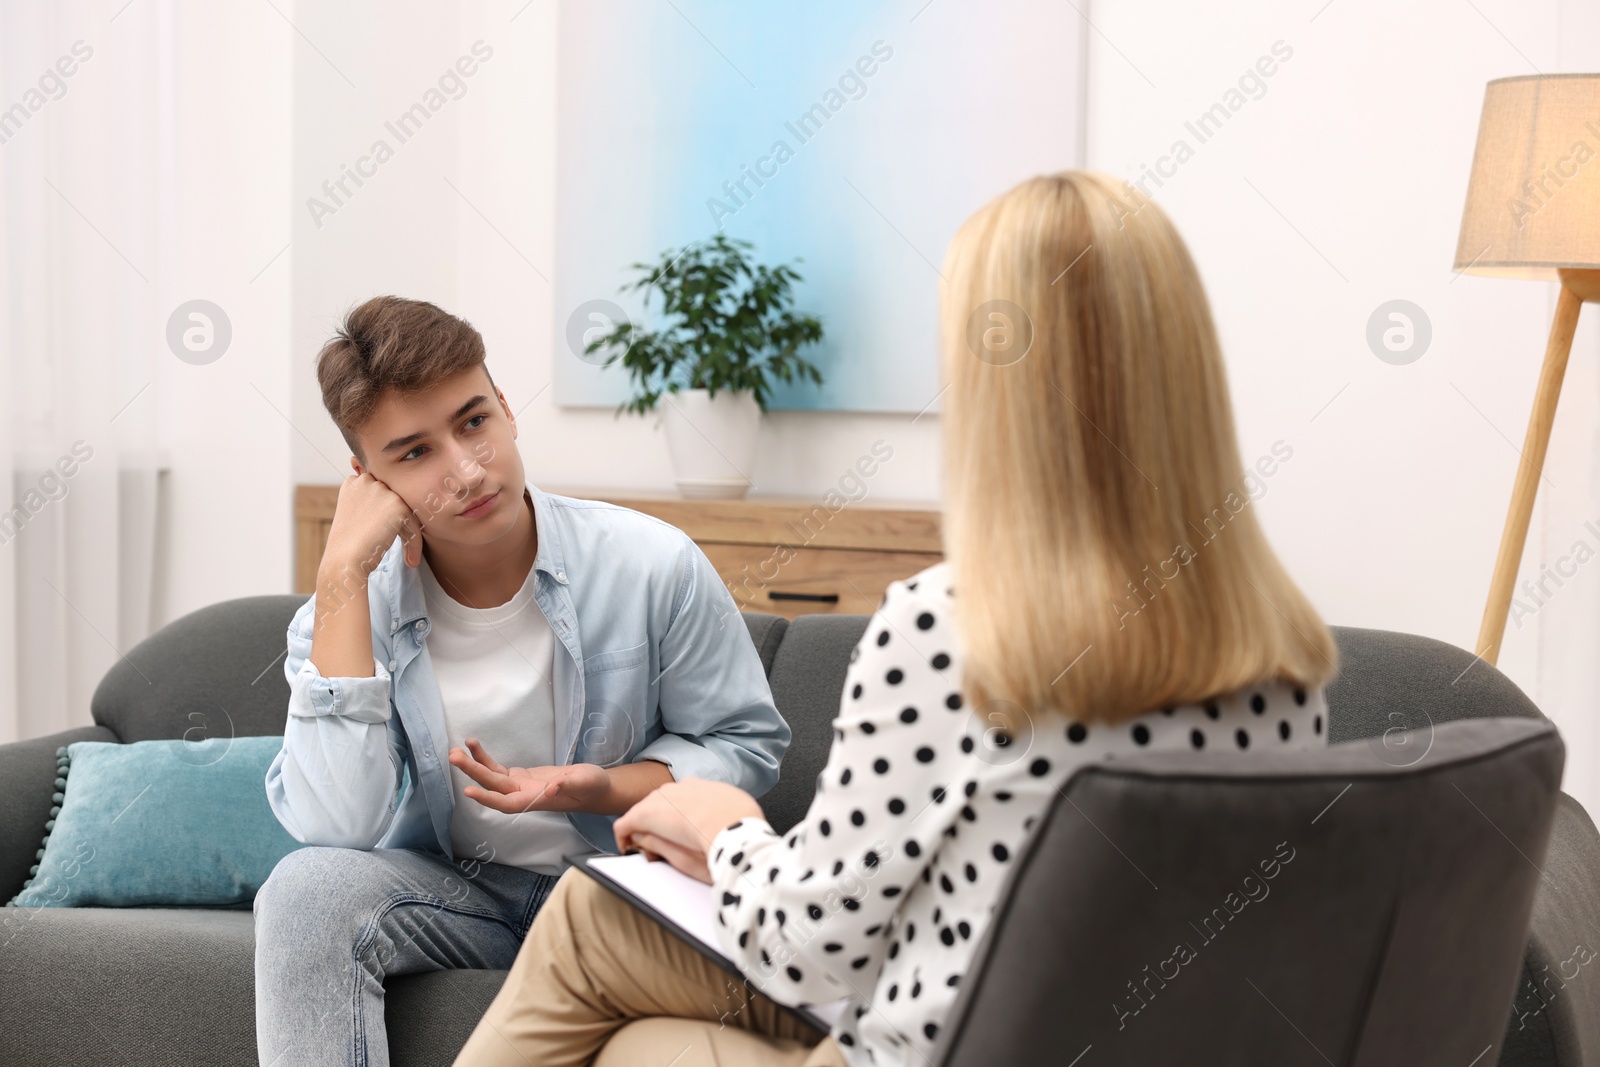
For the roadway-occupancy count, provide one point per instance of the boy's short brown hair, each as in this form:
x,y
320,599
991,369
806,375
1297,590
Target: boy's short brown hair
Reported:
x,y
391,343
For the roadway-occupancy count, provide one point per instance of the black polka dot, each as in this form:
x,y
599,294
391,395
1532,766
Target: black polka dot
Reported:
x,y
896,805
894,990
1258,703
825,827
908,715
736,857
1002,795
883,638
924,754
913,849
937,794
892,891
931,1030
1299,695
971,872
1242,737
1197,739
964,928
953,701
1077,732
940,661
844,776
744,938
838,865
953,981
1283,729
870,859
793,972
858,817
868,728
895,676
1212,711
946,884
833,946
1001,853
880,765
925,621
970,788
858,963
966,744
1316,725
1141,734
855,691
1039,767
947,935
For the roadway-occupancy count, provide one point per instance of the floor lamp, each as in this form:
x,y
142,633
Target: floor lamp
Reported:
x,y
1533,211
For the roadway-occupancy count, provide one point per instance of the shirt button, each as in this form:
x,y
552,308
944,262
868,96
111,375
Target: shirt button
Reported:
x,y
561,576
393,664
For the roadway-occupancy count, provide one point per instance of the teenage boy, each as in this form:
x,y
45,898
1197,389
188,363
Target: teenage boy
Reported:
x,y
565,656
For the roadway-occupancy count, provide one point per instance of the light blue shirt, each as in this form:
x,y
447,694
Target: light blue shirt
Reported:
x,y
653,661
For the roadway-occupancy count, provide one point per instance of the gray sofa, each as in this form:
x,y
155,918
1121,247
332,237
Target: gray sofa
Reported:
x,y
174,986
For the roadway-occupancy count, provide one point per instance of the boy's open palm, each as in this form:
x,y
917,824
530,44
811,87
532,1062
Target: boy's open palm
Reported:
x,y
513,790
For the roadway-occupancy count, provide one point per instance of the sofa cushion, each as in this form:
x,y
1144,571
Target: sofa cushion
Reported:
x,y
137,824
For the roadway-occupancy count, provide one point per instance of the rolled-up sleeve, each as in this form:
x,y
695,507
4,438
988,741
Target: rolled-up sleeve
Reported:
x,y
717,710
336,780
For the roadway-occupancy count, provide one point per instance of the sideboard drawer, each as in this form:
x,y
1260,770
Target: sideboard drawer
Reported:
x,y
808,581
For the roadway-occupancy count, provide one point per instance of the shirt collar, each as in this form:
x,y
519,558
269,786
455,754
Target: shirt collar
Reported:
x,y
407,603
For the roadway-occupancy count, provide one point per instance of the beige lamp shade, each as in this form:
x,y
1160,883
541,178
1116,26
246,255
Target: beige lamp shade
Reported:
x,y
1533,203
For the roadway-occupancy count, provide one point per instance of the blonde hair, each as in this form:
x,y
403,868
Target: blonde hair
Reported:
x,y
1088,440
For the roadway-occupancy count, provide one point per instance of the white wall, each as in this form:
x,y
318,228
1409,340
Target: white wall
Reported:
x,y
223,218
1357,156
1341,188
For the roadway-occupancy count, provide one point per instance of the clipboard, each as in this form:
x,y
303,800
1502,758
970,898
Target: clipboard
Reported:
x,y
686,909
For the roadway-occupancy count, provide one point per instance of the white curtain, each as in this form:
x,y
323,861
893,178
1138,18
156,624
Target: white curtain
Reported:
x,y
85,157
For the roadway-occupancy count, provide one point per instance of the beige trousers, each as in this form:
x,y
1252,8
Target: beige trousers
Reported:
x,y
599,982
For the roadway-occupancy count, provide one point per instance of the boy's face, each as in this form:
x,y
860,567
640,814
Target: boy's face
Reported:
x,y
444,448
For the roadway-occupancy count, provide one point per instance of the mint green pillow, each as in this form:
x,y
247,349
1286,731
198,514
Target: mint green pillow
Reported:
x,y
159,823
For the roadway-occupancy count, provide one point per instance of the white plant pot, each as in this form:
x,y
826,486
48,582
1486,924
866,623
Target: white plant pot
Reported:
x,y
712,441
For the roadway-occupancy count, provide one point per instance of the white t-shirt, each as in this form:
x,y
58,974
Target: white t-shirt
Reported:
x,y
494,671
886,886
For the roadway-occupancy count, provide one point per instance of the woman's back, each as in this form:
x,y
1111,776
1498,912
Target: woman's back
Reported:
x,y
924,803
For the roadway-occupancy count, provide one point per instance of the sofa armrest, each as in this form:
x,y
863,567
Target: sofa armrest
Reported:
x,y
1555,1015
27,781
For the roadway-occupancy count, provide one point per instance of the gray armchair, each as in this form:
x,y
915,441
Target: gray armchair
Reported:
x,y
1271,909
175,985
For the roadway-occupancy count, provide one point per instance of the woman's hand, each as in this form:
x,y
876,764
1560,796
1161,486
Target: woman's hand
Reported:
x,y
678,820
513,790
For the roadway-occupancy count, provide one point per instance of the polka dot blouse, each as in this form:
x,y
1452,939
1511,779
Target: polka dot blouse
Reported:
x,y
881,892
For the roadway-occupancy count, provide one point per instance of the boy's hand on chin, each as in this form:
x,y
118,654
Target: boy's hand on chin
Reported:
x,y
513,790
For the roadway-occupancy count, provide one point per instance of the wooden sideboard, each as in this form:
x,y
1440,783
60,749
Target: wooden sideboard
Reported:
x,y
786,555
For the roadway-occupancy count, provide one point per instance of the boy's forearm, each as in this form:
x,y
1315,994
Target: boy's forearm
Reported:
x,y
341,636
632,782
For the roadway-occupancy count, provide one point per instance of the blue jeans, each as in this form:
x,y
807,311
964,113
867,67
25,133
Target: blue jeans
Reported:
x,y
332,923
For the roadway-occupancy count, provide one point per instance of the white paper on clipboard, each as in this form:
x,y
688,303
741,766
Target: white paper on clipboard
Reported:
x,y
684,904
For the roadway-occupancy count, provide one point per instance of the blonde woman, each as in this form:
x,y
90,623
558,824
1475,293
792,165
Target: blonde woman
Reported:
x,y
1105,592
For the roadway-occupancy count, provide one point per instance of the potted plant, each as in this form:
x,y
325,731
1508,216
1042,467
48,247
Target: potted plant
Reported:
x,y
728,333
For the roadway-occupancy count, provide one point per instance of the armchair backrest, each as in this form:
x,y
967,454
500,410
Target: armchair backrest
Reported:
x,y
1339,906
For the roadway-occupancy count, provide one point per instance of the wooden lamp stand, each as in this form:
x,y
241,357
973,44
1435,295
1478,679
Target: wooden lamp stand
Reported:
x,y
1578,287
